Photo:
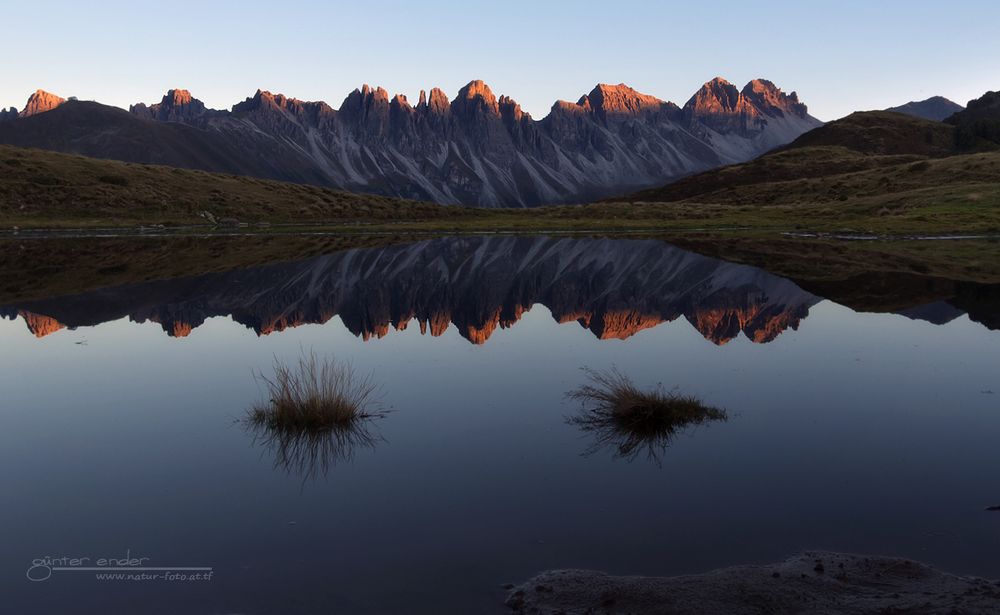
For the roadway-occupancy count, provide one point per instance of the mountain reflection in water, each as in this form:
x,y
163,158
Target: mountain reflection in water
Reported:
x,y
612,287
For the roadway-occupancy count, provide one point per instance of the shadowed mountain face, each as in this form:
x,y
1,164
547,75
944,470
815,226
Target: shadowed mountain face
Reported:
x,y
613,288
477,149
979,122
99,131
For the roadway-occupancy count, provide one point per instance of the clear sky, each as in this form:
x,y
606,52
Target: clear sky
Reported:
x,y
840,56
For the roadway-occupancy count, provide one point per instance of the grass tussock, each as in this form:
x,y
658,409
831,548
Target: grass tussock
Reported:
x,y
318,414
314,395
631,420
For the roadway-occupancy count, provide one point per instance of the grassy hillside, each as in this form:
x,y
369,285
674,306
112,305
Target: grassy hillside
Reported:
x,y
882,133
832,175
876,171
41,188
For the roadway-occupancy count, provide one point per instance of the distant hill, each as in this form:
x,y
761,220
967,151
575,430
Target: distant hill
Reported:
x,y
935,108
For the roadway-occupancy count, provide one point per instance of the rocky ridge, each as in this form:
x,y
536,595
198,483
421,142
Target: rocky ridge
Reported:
x,y
40,102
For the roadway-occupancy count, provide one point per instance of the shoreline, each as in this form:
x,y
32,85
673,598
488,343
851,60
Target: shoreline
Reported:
x,y
285,230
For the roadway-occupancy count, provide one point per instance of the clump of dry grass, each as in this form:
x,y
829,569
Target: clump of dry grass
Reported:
x,y
318,414
631,420
315,395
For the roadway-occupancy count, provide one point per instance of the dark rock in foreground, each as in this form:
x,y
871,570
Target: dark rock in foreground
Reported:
x,y
816,582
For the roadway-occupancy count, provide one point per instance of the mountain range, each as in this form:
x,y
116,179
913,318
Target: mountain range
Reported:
x,y
476,149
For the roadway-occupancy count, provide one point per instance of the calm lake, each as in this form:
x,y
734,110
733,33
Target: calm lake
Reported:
x,y
121,407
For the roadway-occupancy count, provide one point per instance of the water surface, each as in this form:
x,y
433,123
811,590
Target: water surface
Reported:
x,y
868,432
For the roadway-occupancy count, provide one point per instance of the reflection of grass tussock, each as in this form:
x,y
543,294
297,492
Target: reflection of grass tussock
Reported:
x,y
631,420
318,414
311,454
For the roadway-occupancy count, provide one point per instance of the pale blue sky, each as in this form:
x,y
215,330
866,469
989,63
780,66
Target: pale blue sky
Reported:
x,y
840,56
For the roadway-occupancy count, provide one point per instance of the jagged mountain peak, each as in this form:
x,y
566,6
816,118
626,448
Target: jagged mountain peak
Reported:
x,y
620,99
717,95
377,93
769,98
366,105
761,86
274,109
266,98
476,88
565,106
261,99
177,105
40,102
400,100
438,101
719,84
43,94
178,96
510,108
476,96
721,107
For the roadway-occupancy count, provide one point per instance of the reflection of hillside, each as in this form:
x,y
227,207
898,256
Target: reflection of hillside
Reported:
x,y
614,288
